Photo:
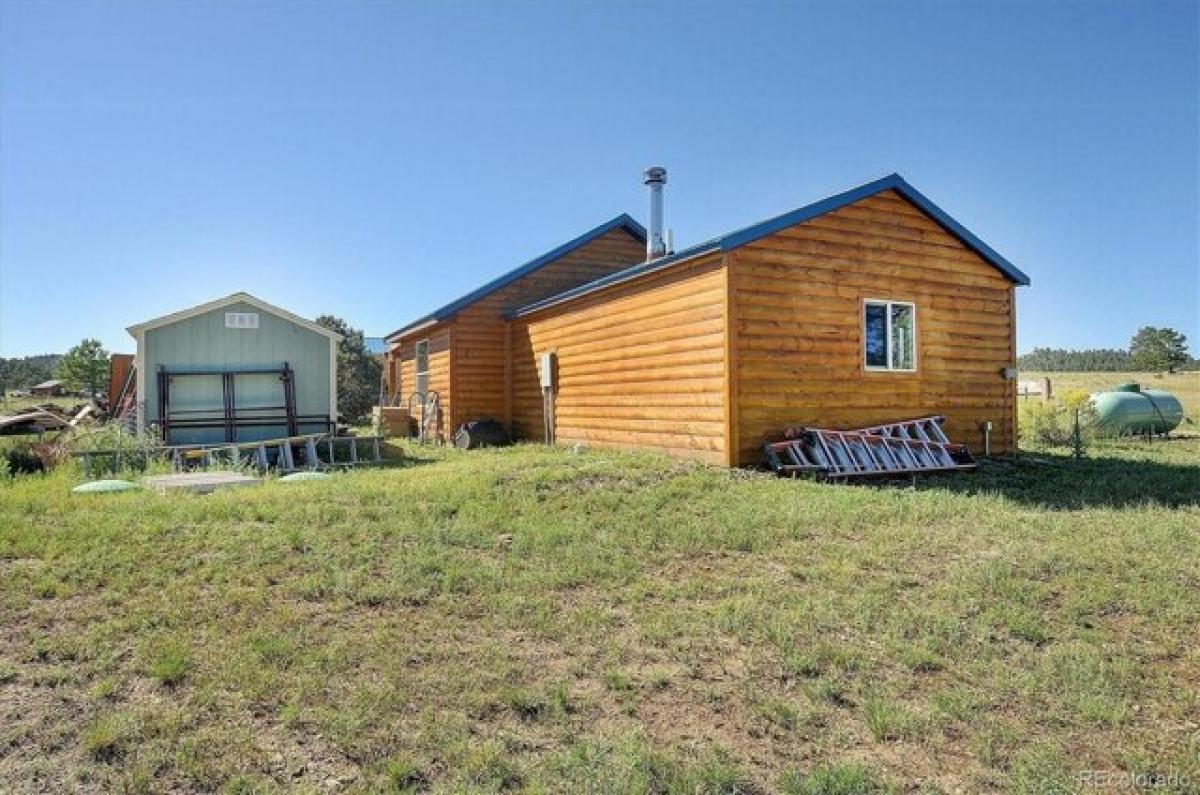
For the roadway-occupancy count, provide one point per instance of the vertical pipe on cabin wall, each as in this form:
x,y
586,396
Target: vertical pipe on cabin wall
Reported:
x,y
508,380
548,379
732,435
1010,387
450,414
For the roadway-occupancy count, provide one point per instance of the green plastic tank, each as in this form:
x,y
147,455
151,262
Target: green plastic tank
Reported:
x,y
1129,409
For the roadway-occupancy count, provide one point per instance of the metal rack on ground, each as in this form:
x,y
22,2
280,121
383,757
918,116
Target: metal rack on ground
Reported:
x,y
286,454
911,447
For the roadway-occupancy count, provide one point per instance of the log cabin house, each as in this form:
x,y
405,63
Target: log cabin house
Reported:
x,y
866,307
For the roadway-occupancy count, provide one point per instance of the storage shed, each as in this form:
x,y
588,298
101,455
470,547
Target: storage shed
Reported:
x,y
867,307
235,369
51,388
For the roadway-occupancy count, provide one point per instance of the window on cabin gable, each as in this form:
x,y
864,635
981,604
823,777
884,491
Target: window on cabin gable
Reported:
x,y
890,335
422,366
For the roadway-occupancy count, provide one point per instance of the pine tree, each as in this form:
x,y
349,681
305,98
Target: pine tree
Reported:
x,y
358,371
1159,349
85,366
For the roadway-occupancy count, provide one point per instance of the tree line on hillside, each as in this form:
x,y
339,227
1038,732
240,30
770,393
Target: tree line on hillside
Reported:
x,y
26,371
1151,349
1064,360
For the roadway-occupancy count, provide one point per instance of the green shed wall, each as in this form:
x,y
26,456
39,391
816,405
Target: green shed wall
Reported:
x,y
204,343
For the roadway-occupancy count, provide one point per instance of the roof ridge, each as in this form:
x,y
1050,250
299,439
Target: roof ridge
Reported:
x,y
241,296
749,234
622,221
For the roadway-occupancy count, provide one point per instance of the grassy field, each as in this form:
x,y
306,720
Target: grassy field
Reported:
x,y
16,405
1182,448
1185,386
537,620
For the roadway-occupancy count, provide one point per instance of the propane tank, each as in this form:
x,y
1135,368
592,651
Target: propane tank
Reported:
x,y
1129,409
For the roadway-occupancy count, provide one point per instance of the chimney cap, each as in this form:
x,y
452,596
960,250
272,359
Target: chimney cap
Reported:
x,y
656,174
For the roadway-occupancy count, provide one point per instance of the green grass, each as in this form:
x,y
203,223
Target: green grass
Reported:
x,y
10,404
108,737
536,620
169,662
838,779
1185,386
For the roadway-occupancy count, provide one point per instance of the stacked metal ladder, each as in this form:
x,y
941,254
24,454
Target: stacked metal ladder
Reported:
x,y
123,407
279,454
911,447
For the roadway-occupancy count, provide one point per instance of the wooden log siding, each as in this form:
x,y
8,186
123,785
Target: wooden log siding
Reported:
x,y
480,353
798,335
473,376
711,358
640,366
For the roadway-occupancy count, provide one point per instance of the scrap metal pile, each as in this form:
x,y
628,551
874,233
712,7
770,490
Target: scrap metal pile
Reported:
x,y
46,417
911,447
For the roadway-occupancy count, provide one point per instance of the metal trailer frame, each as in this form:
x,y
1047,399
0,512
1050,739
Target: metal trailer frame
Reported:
x,y
231,417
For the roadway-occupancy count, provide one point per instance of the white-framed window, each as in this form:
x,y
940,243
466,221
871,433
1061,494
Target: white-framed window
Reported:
x,y
241,320
422,365
889,335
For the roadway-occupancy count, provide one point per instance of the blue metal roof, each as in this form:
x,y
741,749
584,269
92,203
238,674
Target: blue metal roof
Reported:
x,y
622,221
617,277
772,225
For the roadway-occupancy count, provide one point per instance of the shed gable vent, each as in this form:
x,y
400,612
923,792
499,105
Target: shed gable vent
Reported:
x,y
241,320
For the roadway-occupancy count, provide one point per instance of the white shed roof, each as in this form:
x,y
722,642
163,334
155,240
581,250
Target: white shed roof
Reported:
x,y
229,300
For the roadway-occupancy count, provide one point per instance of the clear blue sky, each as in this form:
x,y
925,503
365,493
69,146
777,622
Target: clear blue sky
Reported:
x,y
375,160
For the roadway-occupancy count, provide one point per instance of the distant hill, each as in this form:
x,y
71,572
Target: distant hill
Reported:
x,y
24,372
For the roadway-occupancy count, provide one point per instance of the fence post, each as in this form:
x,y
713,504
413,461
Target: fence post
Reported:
x,y
1077,439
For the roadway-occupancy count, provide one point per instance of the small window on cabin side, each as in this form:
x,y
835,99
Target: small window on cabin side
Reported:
x,y
890,335
423,366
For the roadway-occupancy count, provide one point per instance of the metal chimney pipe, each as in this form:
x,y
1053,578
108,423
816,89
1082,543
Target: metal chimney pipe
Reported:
x,y
655,177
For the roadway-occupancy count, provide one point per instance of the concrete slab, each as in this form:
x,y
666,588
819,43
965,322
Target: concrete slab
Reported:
x,y
200,482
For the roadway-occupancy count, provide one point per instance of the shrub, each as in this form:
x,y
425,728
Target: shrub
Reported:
x,y
1052,423
21,461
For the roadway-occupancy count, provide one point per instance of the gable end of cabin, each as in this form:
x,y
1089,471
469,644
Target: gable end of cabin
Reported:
x,y
870,313
466,356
